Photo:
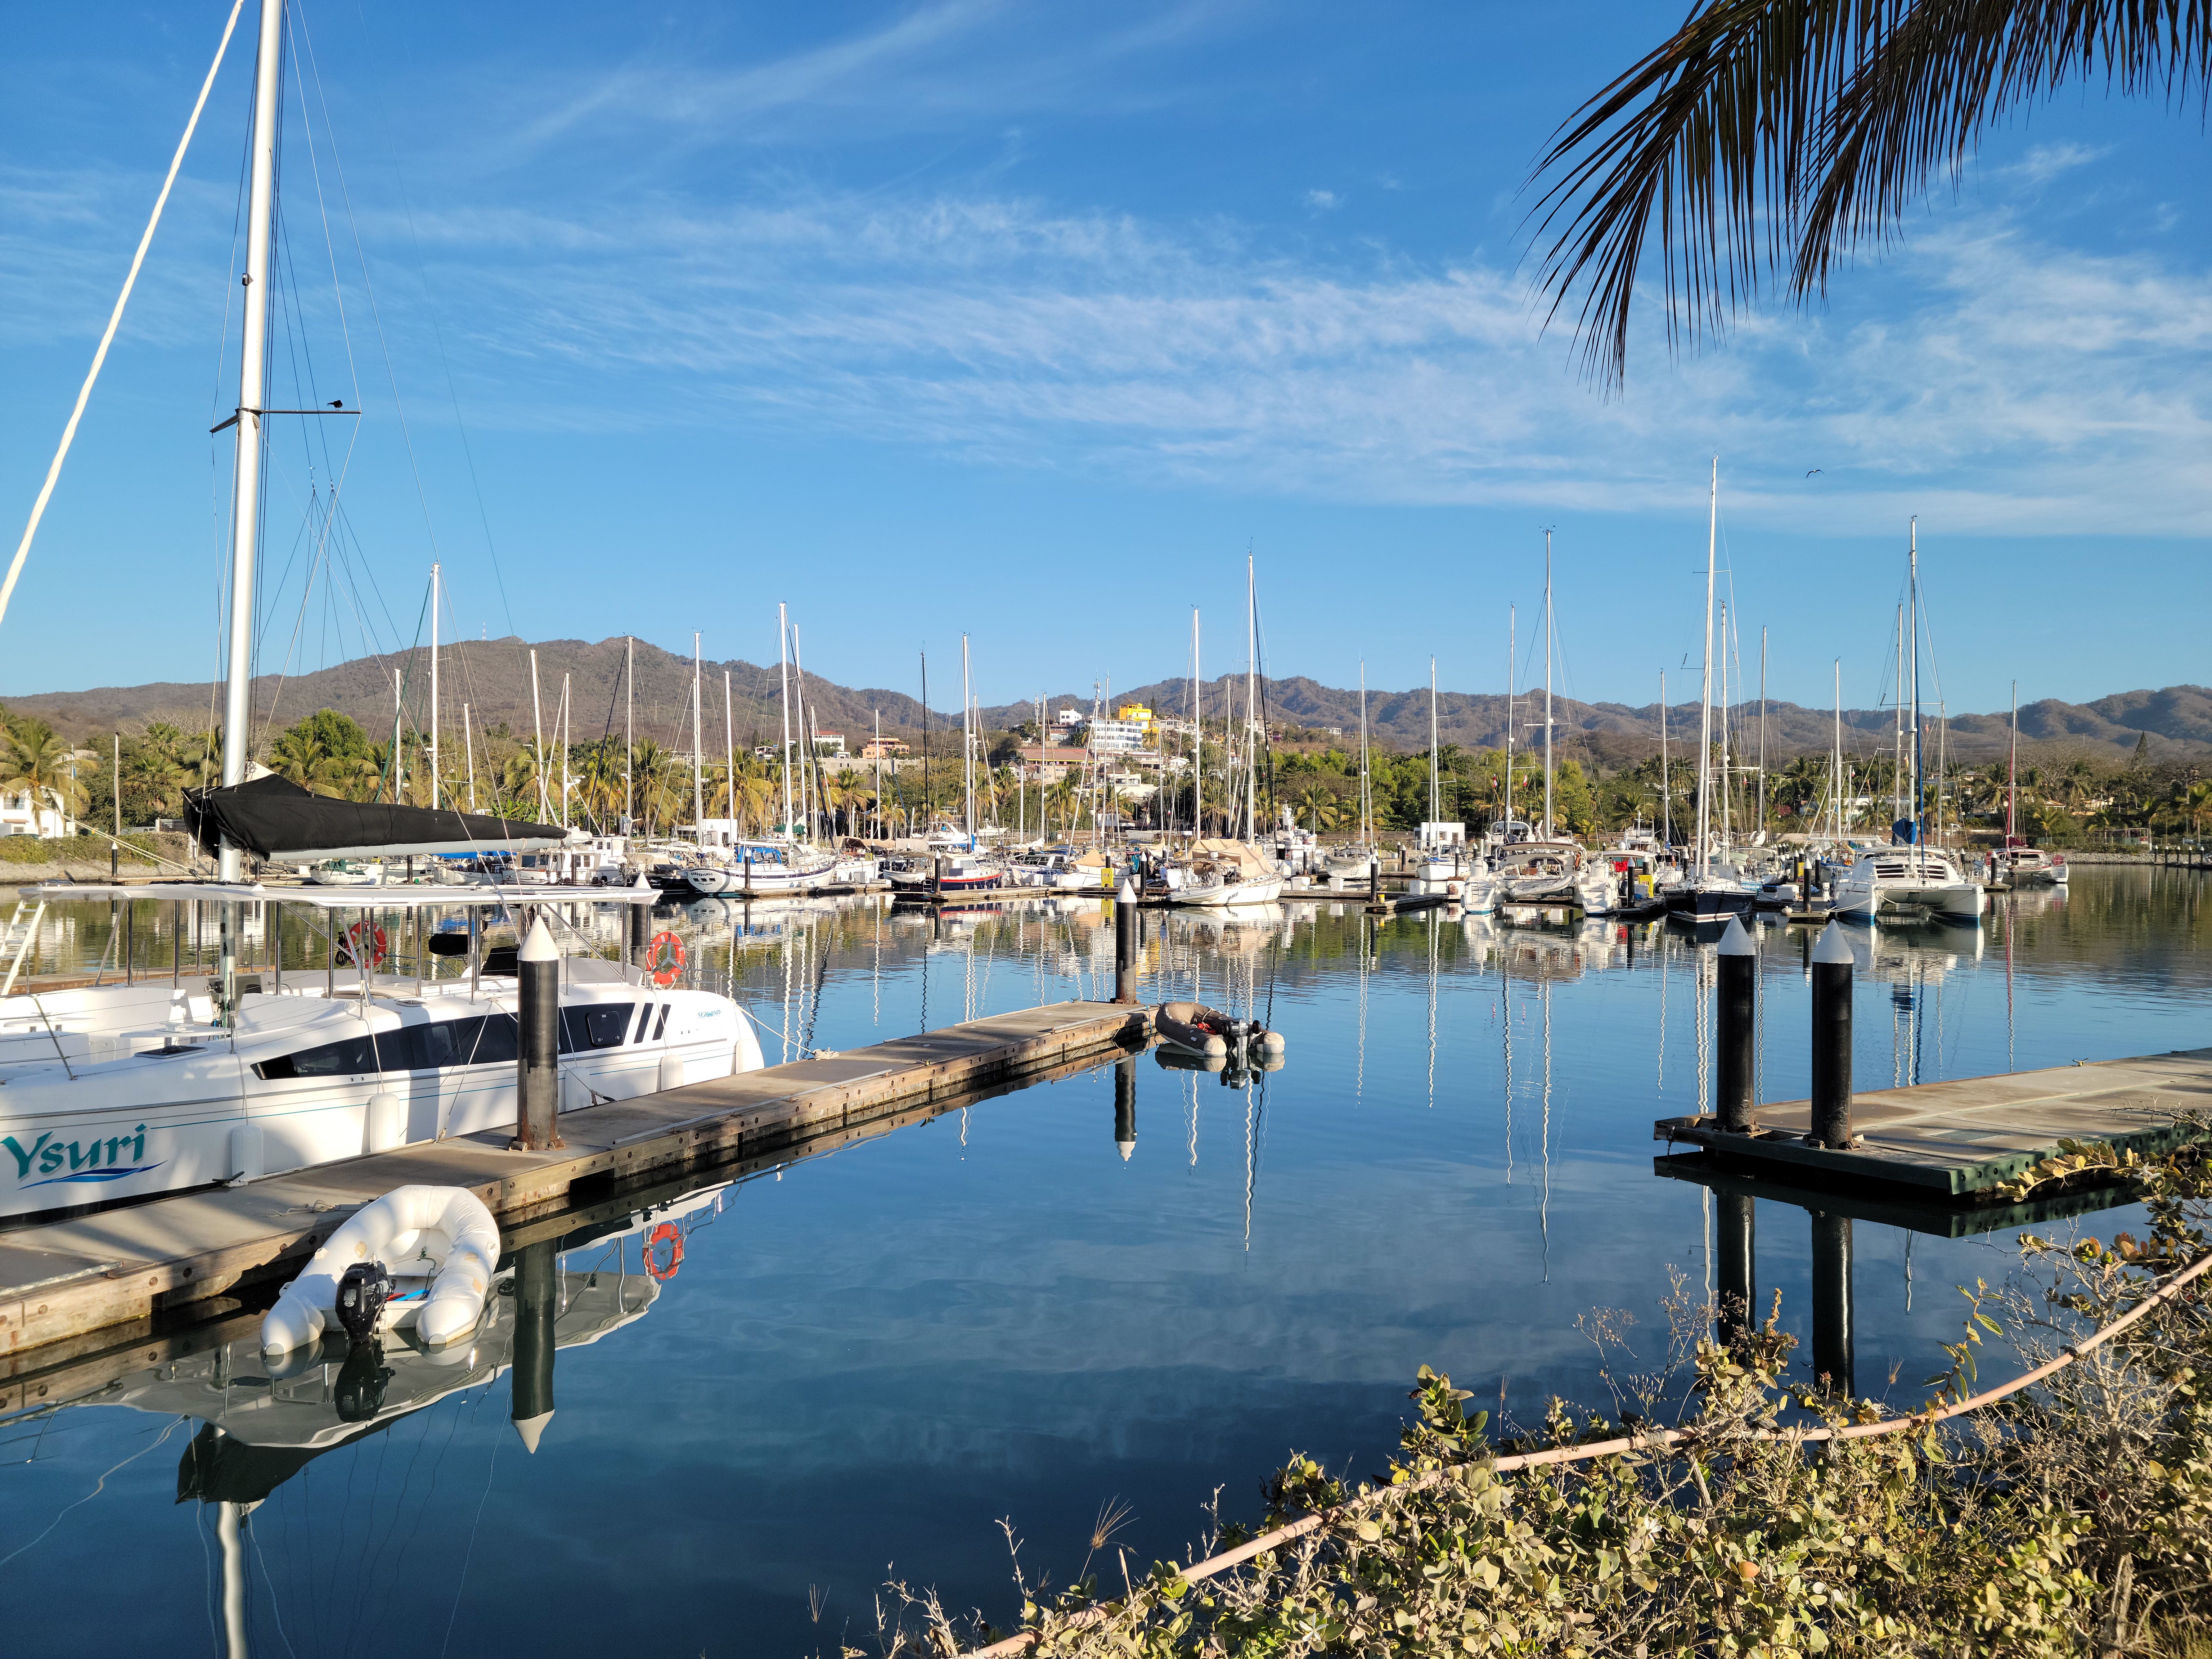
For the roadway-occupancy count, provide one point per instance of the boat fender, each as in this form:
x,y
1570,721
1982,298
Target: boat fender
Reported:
x,y
308,1305
362,1292
387,1122
672,1072
1270,1041
245,1153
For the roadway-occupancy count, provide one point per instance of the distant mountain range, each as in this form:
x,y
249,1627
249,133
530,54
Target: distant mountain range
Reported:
x,y
493,677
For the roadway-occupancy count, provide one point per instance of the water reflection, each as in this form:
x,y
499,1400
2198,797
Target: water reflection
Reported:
x,y
1144,1282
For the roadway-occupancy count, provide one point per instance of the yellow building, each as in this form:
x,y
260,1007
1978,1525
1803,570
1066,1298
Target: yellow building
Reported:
x,y
1138,714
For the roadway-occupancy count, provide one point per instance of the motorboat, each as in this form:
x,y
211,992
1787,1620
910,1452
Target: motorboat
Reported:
x,y
581,861
345,872
1539,871
117,1092
1053,868
1921,876
421,1257
955,872
2029,866
767,868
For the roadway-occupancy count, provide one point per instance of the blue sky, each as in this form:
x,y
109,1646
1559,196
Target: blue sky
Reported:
x,y
1028,320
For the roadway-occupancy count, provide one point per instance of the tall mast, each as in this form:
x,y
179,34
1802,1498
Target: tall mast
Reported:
x,y
1251,698
1762,734
1666,790
783,668
729,756
1836,765
1368,815
928,787
560,747
698,750
434,684
967,745
630,725
537,740
1434,814
807,803
1197,739
1705,687
1897,749
1548,830
245,499
1512,651
2011,770
1913,594
469,754
1727,766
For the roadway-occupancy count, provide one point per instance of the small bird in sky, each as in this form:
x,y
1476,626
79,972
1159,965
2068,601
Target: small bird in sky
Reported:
x,y
1814,470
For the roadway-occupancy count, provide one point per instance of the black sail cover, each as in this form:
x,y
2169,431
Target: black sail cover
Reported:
x,y
277,820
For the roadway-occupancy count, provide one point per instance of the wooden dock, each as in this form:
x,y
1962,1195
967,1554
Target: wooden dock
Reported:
x,y
1973,1134
92,1281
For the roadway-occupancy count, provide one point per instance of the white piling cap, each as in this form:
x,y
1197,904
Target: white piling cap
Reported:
x,y
1125,893
1735,942
1125,1147
539,946
1831,946
530,1428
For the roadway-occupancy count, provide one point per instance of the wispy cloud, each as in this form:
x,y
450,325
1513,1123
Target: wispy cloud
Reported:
x,y
2043,162
1323,199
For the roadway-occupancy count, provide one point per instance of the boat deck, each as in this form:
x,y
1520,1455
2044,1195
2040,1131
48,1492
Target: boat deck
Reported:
x,y
92,1281
1973,1134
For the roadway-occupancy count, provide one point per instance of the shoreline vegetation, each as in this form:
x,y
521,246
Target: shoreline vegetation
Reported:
x,y
2071,1515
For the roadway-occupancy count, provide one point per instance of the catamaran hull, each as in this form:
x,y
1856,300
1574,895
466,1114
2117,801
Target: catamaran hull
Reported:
x,y
1861,898
1215,897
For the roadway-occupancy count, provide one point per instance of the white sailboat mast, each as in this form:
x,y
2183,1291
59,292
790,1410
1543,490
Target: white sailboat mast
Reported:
x,y
802,713
1512,652
1666,792
1197,737
1434,813
783,668
1836,765
1897,757
1251,698
967,743
1913,593
630,727
560,745
729,755
1548,831
1366,801
434,801
1762,734
698,748
537,738
1705,688
469,754
245,498
2011,770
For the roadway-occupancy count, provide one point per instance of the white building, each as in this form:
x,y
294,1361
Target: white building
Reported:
x,y
1117,737
20,815
1070,718
829,743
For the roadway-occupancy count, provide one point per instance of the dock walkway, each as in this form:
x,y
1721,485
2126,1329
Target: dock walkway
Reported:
x,y
83,1282
1973,1134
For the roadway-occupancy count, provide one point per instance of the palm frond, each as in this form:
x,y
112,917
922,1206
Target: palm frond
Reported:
x,y
1767,137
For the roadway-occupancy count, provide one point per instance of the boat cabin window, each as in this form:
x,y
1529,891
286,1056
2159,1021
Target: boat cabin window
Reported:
x,y
490,1041
661,1027
595,1025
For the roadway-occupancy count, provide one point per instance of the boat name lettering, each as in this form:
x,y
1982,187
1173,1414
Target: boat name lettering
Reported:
x,y
48,1154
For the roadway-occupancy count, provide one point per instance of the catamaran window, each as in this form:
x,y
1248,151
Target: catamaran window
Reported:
x,y
595,1025
645,1014
349,1058
662,1025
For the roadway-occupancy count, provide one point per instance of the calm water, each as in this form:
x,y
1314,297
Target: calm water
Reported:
x,y
866,1361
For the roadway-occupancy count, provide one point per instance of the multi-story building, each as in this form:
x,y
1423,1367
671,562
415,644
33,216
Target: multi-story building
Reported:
x,y
1118,736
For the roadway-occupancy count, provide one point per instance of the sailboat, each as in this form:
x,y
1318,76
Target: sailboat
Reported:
x,y
2022,865
1709,892
112,1093
1225,872
1546,868
1908,872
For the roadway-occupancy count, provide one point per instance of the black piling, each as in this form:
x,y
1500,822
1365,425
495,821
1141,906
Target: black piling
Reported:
x,y
1738,1272
1125,942
1831,1300
1125,1106
1735,1017
536,1300
537,1061
1831,1040
640,925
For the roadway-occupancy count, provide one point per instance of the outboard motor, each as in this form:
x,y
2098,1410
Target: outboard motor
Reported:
x,y
359,1392
362,1293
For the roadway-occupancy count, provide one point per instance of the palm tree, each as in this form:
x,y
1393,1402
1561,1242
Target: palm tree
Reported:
x,y
1770,137
44,767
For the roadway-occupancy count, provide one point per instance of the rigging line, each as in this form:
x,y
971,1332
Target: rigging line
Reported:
x,y
97,1488
115,319
269,1578
438,336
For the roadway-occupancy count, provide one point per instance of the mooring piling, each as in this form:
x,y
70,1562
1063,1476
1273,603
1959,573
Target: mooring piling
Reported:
x,y
1125,942
641,925
538,1058
1832,1041
537,1285
1831,1299
1737,1268
1125,1106
1735,1017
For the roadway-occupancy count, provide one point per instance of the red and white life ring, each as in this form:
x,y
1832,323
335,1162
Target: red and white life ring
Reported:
x,y
664,959
351,946
665,1234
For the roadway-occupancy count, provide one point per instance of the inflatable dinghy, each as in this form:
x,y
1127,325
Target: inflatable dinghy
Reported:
x,y
419,1256
1204,1030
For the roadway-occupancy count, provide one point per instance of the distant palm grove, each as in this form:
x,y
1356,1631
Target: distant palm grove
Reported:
x,y
2064,798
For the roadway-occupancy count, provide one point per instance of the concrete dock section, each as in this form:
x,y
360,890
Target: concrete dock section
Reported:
x,y
92,1282
1973,1134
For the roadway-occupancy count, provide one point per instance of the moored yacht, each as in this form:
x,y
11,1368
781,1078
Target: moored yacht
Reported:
x,y
1906,875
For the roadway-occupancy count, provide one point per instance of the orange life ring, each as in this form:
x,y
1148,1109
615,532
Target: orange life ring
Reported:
x,y
664,959
665,1233
353,935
